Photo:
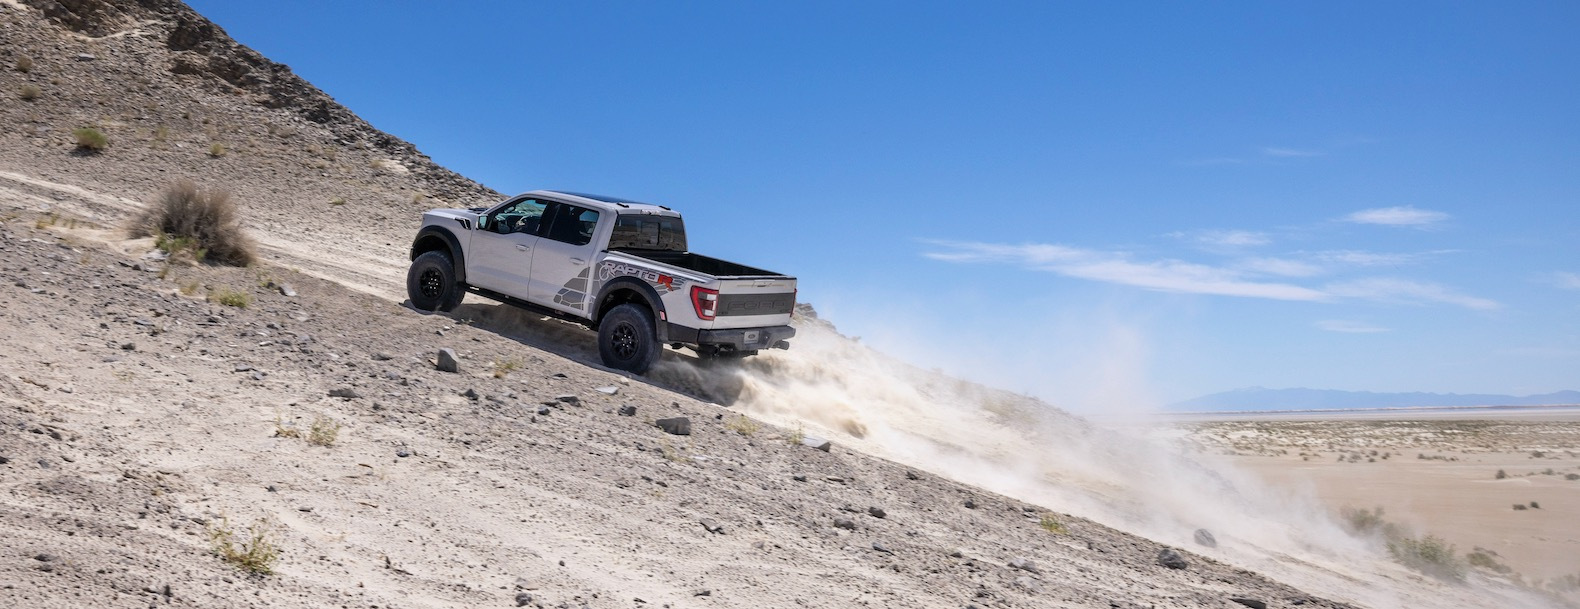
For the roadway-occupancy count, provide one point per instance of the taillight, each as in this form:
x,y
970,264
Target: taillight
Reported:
x,y
706,302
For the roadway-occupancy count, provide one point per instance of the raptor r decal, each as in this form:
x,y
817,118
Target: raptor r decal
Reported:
x,y
667,283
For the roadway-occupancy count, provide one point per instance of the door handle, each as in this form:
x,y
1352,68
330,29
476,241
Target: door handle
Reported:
x,y
578,261
522,247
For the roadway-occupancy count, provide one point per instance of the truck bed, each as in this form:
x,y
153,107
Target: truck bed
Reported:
x,y
700,263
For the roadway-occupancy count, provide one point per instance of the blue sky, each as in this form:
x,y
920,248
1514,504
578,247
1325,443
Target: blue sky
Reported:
x,y
1104,204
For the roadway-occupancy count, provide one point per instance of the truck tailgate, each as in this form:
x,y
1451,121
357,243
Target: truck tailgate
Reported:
x,y
754,302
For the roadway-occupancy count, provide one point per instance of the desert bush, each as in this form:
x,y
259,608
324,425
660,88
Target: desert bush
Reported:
x,y
506,367
230,297
743,425
1052,525
1484,560
1535,506
29,92
1571,476
323,432
1501,474
337,201
1362,520
1430,555
24,64
256,553
208,217
216,150
797,435
90,139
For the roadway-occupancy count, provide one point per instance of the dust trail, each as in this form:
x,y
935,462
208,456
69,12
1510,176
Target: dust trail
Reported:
x,y
1019,446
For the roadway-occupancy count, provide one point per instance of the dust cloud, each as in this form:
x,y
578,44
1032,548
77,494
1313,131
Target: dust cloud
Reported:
x,y
835,387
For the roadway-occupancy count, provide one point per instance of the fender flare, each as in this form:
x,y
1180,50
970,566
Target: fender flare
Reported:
x,y
457,255
644,292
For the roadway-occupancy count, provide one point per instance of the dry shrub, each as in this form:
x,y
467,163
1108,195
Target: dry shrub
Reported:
x,y
207,217
24,64
30,92
90,139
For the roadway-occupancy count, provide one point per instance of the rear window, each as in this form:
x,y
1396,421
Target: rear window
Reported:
x,y
648,232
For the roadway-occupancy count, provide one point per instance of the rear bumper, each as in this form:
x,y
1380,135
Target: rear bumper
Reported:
x,y
739,339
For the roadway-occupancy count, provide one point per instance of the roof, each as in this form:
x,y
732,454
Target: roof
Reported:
x,y
605,202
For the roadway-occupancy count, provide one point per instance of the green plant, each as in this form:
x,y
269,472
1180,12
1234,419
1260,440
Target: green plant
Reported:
x,y
283,429
255,553
506,367
179,247
1052,525
797,435
30,92
24,64
337,201
671,453
1483,560
323,432
216,150
189,288
1430,555
743,425
208,218
90,139
230,298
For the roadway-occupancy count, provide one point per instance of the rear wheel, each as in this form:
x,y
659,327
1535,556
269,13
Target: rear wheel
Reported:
x,y
628,339
431,284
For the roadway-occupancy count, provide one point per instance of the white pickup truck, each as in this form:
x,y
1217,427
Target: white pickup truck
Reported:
x,y
618,266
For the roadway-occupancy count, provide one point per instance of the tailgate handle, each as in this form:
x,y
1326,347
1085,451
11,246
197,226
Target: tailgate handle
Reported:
x,y
522,247
578,261
763,283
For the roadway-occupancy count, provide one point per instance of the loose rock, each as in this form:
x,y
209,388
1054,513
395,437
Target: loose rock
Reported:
x,y
523,599
818,443
881,548
1024,564
343,392
679,426
1250,602
447,361
627,411
1171,559
712,526
1204,537
610,390
568,399
877,512
845,523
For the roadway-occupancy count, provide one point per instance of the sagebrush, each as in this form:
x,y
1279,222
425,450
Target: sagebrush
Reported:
x,y
254,553
90,139
208,217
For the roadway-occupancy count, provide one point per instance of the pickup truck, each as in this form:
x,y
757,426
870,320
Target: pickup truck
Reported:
x,y
620,267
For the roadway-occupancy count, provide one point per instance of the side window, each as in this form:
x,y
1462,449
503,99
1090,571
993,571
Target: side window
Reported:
x,y
571,224
523,216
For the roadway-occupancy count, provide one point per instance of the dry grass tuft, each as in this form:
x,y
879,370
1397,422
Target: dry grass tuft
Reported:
x,y
24,64
30,92
1052,525
323,432
230,297
209,218
90,139
256,553
743,425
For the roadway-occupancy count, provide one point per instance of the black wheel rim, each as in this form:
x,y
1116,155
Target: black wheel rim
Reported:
x,y
432,283
623,339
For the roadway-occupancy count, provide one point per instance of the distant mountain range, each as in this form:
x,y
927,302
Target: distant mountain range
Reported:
x,y
1261,398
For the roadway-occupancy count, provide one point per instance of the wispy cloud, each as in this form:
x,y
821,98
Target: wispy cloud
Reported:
x,y
1397,216
1233,238
1405,291
1172,275
1290,152
1350,327
1282,267
1567,280
1117,267
1362,258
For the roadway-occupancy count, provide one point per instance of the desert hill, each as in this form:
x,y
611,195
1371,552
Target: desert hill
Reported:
x,y
1260,398
150,407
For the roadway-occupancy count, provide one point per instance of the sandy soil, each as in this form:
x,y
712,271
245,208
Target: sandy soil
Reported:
x,y
1438,476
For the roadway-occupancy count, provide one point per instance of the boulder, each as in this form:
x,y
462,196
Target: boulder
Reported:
x,y
448,362
679,426
1171,559
1204,537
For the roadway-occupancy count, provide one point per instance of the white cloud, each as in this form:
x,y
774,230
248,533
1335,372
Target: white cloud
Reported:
x,y
1283,267
1567,280
1232,238
1397,216
1350,327
1117,267
1404,291
1291,152
1171,275
1360,258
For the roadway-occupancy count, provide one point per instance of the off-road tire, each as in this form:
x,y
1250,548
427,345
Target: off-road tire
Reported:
x,y
627,339
431,284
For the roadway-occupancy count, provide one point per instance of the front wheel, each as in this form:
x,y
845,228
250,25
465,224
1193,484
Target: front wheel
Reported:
x,y
431,284
627,339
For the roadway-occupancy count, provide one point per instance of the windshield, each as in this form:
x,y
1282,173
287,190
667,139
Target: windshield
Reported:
x,y
648,232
